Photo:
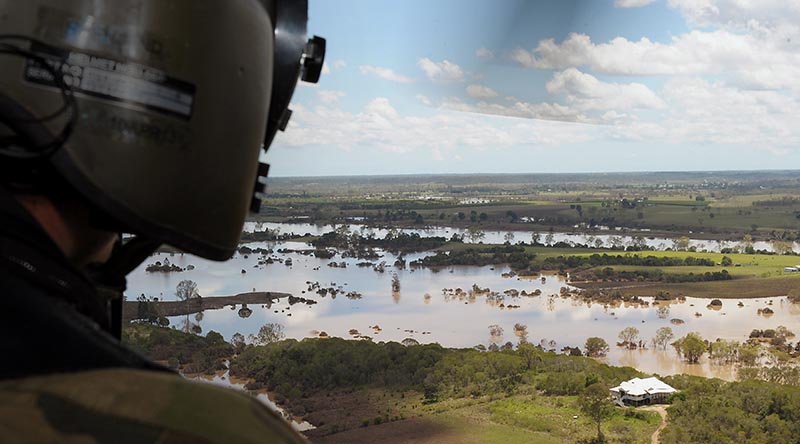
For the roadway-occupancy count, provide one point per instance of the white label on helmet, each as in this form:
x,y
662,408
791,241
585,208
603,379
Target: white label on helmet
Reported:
x,y
114,80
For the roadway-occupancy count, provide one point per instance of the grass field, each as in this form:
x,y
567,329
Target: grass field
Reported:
x,y
755,275
723,205
519,419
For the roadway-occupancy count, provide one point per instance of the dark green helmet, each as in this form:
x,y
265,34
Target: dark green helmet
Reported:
x,y
155,111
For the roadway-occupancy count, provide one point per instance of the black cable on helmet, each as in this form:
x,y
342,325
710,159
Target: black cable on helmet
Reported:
x,y
14,146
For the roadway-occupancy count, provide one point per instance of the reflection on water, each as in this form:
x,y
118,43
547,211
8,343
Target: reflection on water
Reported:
x,y
224,380
668,362
454,306
597,239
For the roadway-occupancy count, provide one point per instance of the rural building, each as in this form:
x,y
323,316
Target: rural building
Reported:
x,y
639,391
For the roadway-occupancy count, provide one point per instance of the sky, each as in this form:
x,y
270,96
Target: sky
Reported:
x,y
504,86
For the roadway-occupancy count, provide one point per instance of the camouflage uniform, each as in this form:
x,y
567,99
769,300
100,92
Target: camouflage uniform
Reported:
x,y
121,405
65,379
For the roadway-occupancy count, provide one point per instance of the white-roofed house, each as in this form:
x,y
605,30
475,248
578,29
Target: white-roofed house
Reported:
x,y
640,391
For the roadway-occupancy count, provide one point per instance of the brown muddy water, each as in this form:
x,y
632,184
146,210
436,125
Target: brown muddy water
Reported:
x,y
421,310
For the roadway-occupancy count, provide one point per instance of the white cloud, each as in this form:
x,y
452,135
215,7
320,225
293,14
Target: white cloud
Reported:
x,y
528,110
714,112
484,53
380,125
738,13
632,3
441,72
339,64
325,68
481,92
761,59
424,99
384,73
330,96
588,93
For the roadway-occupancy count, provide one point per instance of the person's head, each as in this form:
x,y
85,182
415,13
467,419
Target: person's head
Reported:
x,y
153,113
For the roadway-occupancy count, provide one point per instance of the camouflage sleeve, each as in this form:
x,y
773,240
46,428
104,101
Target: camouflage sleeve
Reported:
x,y
133,406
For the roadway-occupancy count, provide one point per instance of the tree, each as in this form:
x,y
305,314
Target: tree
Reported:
x,y
726,261
549,239
595,403
475,234
495,333
409,342
521,331
691,347
530,353
535,238
509,237
186,289
628,336
268,333
238,342
662,337
681,243
596,347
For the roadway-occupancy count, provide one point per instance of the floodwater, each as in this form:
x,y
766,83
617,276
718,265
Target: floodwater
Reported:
x,y
601,238
422,311
224,380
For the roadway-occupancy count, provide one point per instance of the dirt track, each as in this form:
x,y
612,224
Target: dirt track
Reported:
x,y
662,410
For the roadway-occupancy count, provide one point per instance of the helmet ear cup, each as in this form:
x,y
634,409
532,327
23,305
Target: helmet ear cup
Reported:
x,y
295,57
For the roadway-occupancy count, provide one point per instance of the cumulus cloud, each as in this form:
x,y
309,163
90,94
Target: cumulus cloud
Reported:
x,y
481,92
708,111
484,53
761,59
330,96
589,93
384,73
632,3
424,99
441,72
339,64
380,125
738,13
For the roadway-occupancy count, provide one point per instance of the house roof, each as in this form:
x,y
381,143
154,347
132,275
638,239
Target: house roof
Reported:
x,y
639,387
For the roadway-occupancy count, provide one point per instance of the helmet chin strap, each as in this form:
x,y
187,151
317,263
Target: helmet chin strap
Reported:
x,y
110,277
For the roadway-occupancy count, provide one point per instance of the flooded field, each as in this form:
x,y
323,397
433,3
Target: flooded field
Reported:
x,y
599,238
365,304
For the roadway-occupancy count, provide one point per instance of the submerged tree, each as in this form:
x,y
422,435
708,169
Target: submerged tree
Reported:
x,y
475,234
662,337
395,288
628,336
691,347
596,347
521,331
495,333
187,289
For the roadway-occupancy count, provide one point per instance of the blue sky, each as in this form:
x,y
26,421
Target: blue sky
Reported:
x,y
562,86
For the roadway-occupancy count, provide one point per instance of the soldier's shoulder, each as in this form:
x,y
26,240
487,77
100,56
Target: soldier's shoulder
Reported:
x,y
124,405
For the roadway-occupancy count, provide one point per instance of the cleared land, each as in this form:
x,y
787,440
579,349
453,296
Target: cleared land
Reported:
x,y
713,205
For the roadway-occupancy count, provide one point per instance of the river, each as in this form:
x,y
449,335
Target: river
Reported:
x,y
422,311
